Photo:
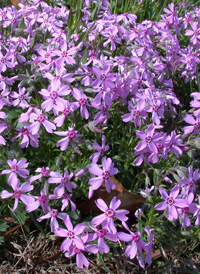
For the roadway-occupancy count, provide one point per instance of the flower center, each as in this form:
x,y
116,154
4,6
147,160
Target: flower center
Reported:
x,y
53,95
135,238
71,134
42,199
53,213
21,97
17,193
14,168
101,233
66,111
103,77
170,201
148,139
71,235
105,175
41,118
3,60
64,180
155,108
77,250
64,54
45,172
136,113
196,125
109,213
82,102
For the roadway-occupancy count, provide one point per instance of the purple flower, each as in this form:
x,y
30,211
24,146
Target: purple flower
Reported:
x,y
71,234
195,124
65,55
71,134
20,98
40,119
16,168
65,199
82,102
81,260
105,78
63,181
18,192
101,149
53,214
41,200
188,183
52,96
171,202
101,234
136,246
107,218
27,137
103,174
183,212
197,212
44,172
136,114
149,139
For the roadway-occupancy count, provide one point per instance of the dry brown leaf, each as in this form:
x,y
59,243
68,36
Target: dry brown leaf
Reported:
x,y
129,200
15,2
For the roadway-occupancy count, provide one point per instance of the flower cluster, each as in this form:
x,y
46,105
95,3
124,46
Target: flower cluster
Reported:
x,y
62,88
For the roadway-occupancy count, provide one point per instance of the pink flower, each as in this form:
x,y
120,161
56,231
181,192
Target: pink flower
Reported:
x,y
107,218
53,214
52,96
103,174
71,234
44,172
171,202
16,168
63,181
82,102
71,134
18,193
40,119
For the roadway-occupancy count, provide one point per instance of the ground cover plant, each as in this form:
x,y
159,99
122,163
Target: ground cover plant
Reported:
x,y
88,93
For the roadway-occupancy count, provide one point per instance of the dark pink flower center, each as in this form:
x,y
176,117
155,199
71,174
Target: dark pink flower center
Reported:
x,y
71,235
71,134
21,97
64,54
47,55
17,193
64,180
105,175
196,125
136,113
66,111
109,213
42,199
170,201
135,238
77,250
53,213
185,209
14,168
103,77
101,233
148,139
53,95
45,172
155,108
41,118
82,102
3,60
